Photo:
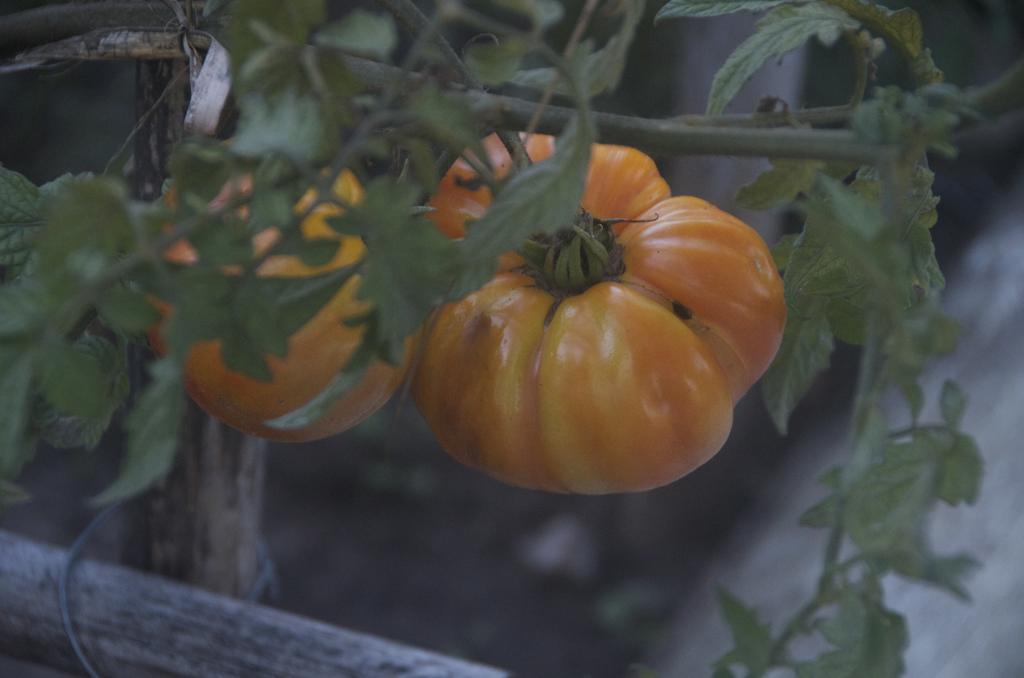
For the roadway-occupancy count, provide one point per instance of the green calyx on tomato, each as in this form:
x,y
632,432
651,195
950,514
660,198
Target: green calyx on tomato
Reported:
x,y
572,259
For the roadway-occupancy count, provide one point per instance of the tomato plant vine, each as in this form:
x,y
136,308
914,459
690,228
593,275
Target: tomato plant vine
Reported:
x,y
80,260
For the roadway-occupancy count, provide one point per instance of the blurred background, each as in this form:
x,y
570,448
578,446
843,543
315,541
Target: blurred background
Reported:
x,y
379,531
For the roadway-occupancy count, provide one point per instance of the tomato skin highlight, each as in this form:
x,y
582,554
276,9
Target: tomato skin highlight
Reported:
x,y
316,352
625,386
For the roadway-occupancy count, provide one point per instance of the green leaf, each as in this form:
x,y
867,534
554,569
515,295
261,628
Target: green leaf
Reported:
x,y
783,250
200,168
900,28
674,9
255,20
948,573
23,307
86,378
959,468
953,402
360,32
291,124
807,345
870,641
270,310
409,265
822,514
16,367
19,221
152,428
752,639
543,197
88,227
886,505
851,210
780,185
127,310
783,29
495,63
341,384
601,70
542,13
449,120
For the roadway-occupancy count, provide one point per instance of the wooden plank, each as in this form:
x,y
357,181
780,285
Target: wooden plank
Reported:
x,y
142,626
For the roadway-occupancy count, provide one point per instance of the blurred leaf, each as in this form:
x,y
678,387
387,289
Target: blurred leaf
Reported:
x,y
953,402
200,168
948,573
783,29
674,9
448,120
885,507
543,197
19,220
858,214
152,428
780,185
783,250
288,21
807,345
870,641
86,378
822,514
601,70
360,32
293,125
271,309
23,308
16,367
959,466
127,310
542,13
495,63
752,639
88,227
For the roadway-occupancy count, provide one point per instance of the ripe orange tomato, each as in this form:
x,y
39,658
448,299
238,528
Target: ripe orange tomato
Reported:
x,y
624,380
316,352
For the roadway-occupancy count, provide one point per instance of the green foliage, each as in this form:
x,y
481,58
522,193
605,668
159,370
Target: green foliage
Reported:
x,y
82,265
496,63
868,638
602,69
780,185
541,198
698,8
900,28
152,433
806,349
782,30
409,266
19,219
361,32
16,363
752,639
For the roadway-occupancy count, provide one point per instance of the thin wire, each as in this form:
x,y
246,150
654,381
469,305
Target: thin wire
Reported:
x,y
65,579
266,580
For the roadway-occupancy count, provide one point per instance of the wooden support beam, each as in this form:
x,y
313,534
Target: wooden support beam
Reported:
x,y
142,626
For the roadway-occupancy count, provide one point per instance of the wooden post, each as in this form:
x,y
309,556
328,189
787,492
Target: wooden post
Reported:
x,y
136,625
202,524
